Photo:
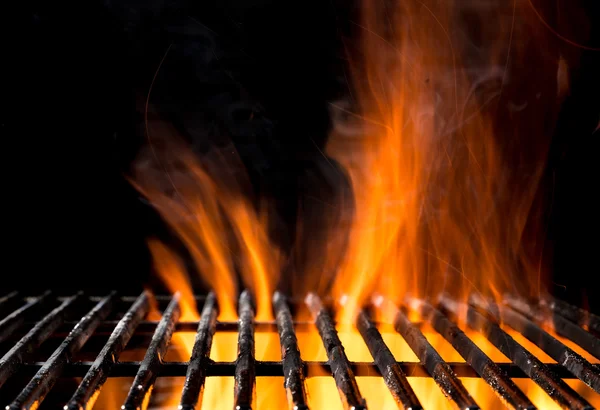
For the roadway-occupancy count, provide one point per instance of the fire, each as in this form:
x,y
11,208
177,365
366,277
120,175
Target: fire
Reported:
x,y
221,230
445,194
225,235
175,278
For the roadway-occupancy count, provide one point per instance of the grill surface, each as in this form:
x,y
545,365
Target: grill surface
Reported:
x,y
46,338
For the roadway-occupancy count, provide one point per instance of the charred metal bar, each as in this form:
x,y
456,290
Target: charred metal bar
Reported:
x,y
392,374
436,366
245,366
483,365
16,319
86,393
274,369
562,326
191,396
557,389
574,314
14,358
290,354
147,327
146,376
571,360
35,392
340,366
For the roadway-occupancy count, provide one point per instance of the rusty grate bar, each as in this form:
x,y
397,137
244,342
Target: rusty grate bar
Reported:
x,y
564,355
17,318
111,337
340,365
562,326
44,380
481,363
574,314
150,366
392,374
436,366
14,358
556,388
96,376
290,354
245,368
191,396
274,369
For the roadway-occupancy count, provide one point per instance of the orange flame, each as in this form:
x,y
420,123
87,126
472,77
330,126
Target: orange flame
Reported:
x,y
445,197
220,228
175,278
444,163
224,236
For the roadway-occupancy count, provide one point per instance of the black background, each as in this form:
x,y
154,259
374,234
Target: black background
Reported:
x,y
78,75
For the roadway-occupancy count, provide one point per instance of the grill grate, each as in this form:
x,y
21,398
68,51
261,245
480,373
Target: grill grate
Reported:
x,y
32,324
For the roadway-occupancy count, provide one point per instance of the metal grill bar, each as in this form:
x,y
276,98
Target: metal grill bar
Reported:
x,y
574,314
148,327
274,369
19,362
290,354
340,366
393,376
557,389
14,358
16,319
436,366
245,368
86,393
150,366
562,326
199,361
554,348
35,392
483,365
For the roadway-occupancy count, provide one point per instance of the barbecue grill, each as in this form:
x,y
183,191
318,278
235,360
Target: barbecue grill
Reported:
x,y
47,338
